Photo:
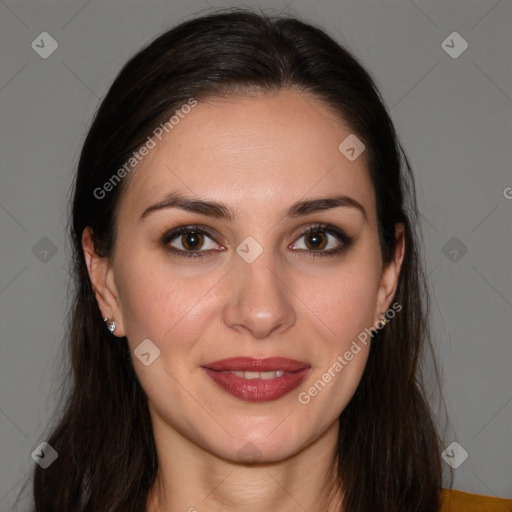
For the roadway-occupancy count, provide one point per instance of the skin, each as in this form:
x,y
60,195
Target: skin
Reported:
x,y
257,155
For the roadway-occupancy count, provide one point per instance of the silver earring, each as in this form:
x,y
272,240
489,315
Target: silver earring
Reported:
x,y
111,325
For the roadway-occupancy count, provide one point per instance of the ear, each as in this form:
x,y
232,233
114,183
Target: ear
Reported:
x,y
390,273
101,275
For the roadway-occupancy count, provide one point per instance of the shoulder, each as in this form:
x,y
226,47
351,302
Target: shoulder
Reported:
x,y
457,501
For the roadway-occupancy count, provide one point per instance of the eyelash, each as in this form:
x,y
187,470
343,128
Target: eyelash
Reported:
x,y
345,239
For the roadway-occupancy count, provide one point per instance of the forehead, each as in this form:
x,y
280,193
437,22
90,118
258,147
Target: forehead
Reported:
x,y
262,150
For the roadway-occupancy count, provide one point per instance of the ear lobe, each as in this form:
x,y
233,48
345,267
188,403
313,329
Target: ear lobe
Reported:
x,y
102,280
391,272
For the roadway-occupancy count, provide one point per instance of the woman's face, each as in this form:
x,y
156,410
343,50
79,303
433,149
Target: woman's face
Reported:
x,y
260,288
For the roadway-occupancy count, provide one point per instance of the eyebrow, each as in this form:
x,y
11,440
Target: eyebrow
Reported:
x,y
221,211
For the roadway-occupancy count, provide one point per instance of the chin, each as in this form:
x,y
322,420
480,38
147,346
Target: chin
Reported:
x,y
264,448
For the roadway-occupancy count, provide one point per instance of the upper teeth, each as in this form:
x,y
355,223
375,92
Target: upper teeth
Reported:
x,y
259,375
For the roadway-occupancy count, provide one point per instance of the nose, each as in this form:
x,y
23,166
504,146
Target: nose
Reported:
x,y
259,299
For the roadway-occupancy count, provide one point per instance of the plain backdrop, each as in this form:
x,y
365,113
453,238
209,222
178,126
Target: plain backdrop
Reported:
x,y
453,114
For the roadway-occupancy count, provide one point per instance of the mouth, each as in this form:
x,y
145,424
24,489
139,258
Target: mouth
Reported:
x,y
257,380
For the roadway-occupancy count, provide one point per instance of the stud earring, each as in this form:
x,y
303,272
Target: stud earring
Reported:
x,y
111,325
383,320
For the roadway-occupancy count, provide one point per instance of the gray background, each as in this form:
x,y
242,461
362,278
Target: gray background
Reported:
x,y
454,117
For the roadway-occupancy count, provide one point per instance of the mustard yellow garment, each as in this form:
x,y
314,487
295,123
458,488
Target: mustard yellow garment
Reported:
x,y
457,501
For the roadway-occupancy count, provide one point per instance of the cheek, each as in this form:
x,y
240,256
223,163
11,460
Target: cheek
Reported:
x,y
163,304
345,300
345,307
151,299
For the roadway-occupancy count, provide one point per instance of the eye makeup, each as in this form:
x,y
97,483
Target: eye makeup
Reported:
x,y
196,234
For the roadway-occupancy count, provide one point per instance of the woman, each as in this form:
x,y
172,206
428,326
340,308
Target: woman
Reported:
x,y
250,309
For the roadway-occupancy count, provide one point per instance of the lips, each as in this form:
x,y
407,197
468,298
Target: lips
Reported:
x,y
270,364
257,380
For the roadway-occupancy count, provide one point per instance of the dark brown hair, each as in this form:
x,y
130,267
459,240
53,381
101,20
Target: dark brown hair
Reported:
x,y
388,455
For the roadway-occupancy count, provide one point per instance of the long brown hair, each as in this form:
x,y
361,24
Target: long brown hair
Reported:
x,y
388,455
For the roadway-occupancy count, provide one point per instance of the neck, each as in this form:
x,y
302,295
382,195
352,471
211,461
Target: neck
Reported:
x,y
195,480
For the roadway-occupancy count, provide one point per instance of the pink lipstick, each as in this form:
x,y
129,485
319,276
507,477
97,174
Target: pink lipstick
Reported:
x,y
257,380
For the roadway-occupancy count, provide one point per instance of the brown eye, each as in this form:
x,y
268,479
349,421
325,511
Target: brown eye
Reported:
x,y
323,240
190,241
316,240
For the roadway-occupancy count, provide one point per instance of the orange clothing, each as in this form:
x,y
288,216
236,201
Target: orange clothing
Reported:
x,y
457,501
